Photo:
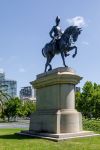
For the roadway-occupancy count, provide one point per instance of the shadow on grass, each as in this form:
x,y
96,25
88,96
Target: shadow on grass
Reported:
x,y
21,137
16,136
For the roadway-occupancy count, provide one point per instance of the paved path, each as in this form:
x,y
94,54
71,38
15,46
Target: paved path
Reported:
x,y
19,124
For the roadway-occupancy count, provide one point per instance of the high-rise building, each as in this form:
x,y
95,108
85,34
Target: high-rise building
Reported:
x,y
8,86
26,92
2,76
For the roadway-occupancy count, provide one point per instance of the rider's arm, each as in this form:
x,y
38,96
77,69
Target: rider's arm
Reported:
x,y
51,33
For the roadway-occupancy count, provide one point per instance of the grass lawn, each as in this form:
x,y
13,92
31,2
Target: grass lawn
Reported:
x,y
10,141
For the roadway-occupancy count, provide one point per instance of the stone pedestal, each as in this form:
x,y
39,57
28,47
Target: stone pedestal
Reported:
x,y
56,117
55,94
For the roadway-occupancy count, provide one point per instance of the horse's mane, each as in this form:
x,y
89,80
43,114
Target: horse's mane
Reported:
x,y
70,29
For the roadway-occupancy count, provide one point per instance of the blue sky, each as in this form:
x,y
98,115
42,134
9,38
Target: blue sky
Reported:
x,y
24,30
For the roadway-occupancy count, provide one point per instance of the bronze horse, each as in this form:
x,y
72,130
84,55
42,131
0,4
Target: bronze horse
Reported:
x,y
62,46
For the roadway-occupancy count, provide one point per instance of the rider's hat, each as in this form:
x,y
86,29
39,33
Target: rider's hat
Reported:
x,y
57,19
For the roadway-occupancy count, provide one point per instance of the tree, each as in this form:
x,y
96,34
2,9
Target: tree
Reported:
x,y
3,98
87,94
88,101
12,108
15,108
27,108
78,101
96,102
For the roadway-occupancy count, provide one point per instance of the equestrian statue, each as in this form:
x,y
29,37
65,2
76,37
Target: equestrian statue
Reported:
x,y
61,43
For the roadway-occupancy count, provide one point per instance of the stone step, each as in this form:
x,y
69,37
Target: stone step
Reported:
x,y
58,137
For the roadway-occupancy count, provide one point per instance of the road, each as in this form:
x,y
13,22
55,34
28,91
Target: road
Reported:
x,y
19,124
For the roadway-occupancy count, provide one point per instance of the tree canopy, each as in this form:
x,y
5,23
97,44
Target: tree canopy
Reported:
x,y
88,101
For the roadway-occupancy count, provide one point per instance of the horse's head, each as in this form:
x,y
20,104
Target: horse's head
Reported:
x,y
75,32
72,31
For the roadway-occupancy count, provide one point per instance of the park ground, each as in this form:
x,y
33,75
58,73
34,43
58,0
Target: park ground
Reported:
x,y
10,141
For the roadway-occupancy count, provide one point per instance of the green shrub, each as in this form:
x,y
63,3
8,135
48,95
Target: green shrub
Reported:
x,y
91,125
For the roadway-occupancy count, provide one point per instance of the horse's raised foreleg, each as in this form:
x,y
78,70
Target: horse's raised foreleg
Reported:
x,y
71,48
75,51
62,55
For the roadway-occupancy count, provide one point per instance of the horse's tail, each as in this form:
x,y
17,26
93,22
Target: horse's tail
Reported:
x,y
43,52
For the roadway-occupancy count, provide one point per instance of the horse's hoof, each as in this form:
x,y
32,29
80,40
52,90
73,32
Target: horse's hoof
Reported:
x,y
66,66
73,55
49,69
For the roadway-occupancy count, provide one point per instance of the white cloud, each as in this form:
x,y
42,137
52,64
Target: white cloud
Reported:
x,y
1,70
77,21
22,70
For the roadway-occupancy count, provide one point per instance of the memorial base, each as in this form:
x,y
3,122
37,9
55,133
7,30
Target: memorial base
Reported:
x,y
56,117
55,94
56,121
58,137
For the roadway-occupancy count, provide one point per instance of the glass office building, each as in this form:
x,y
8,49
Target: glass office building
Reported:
x,y
26,92
8,86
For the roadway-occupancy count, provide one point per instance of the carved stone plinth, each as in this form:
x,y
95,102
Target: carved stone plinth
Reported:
x,y
55,94
56,117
